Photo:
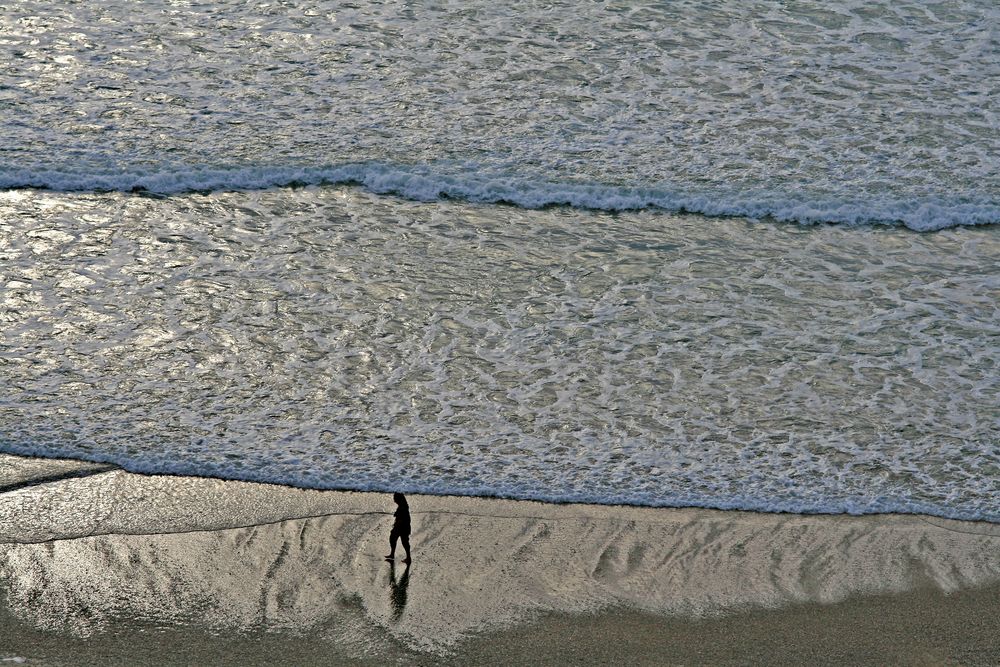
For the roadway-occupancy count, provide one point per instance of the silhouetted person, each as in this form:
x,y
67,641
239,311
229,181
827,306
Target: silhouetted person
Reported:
x,y
400,528
397,590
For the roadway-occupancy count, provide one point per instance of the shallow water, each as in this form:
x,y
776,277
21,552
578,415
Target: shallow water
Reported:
x,y
334,338
189,284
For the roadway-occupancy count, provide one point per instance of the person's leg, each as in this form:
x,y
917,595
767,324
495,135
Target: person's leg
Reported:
x,y
392,545
406,545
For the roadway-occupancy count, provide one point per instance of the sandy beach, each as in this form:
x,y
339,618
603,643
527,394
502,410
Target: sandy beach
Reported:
x,y
102,566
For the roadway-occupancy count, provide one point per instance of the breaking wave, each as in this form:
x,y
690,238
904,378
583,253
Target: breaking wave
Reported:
x,y
420,183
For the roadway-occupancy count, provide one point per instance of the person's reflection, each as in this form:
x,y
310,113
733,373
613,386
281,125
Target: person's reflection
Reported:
x,y
397,590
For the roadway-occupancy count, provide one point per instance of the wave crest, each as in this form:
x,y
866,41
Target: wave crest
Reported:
x,y
422,184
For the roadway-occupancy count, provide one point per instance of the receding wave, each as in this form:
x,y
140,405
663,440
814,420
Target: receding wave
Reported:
x,y
797,503
423,184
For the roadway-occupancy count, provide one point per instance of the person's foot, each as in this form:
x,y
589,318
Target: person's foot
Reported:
x,y
390,557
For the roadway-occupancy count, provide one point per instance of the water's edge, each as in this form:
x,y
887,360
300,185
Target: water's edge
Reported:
x,y
108,464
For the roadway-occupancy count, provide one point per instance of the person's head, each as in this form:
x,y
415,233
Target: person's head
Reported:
x,y
399,498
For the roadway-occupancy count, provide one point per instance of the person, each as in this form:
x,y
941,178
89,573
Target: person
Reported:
x,y
400,528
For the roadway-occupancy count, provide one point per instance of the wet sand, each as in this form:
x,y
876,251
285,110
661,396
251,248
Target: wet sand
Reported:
x,y
101,566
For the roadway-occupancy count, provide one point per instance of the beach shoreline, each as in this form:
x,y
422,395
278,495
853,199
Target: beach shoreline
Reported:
x,y
115,563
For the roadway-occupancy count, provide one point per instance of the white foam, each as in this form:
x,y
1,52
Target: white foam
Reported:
x,y
423,184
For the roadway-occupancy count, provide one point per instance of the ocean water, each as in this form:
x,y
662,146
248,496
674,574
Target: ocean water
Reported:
x,y
737,254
